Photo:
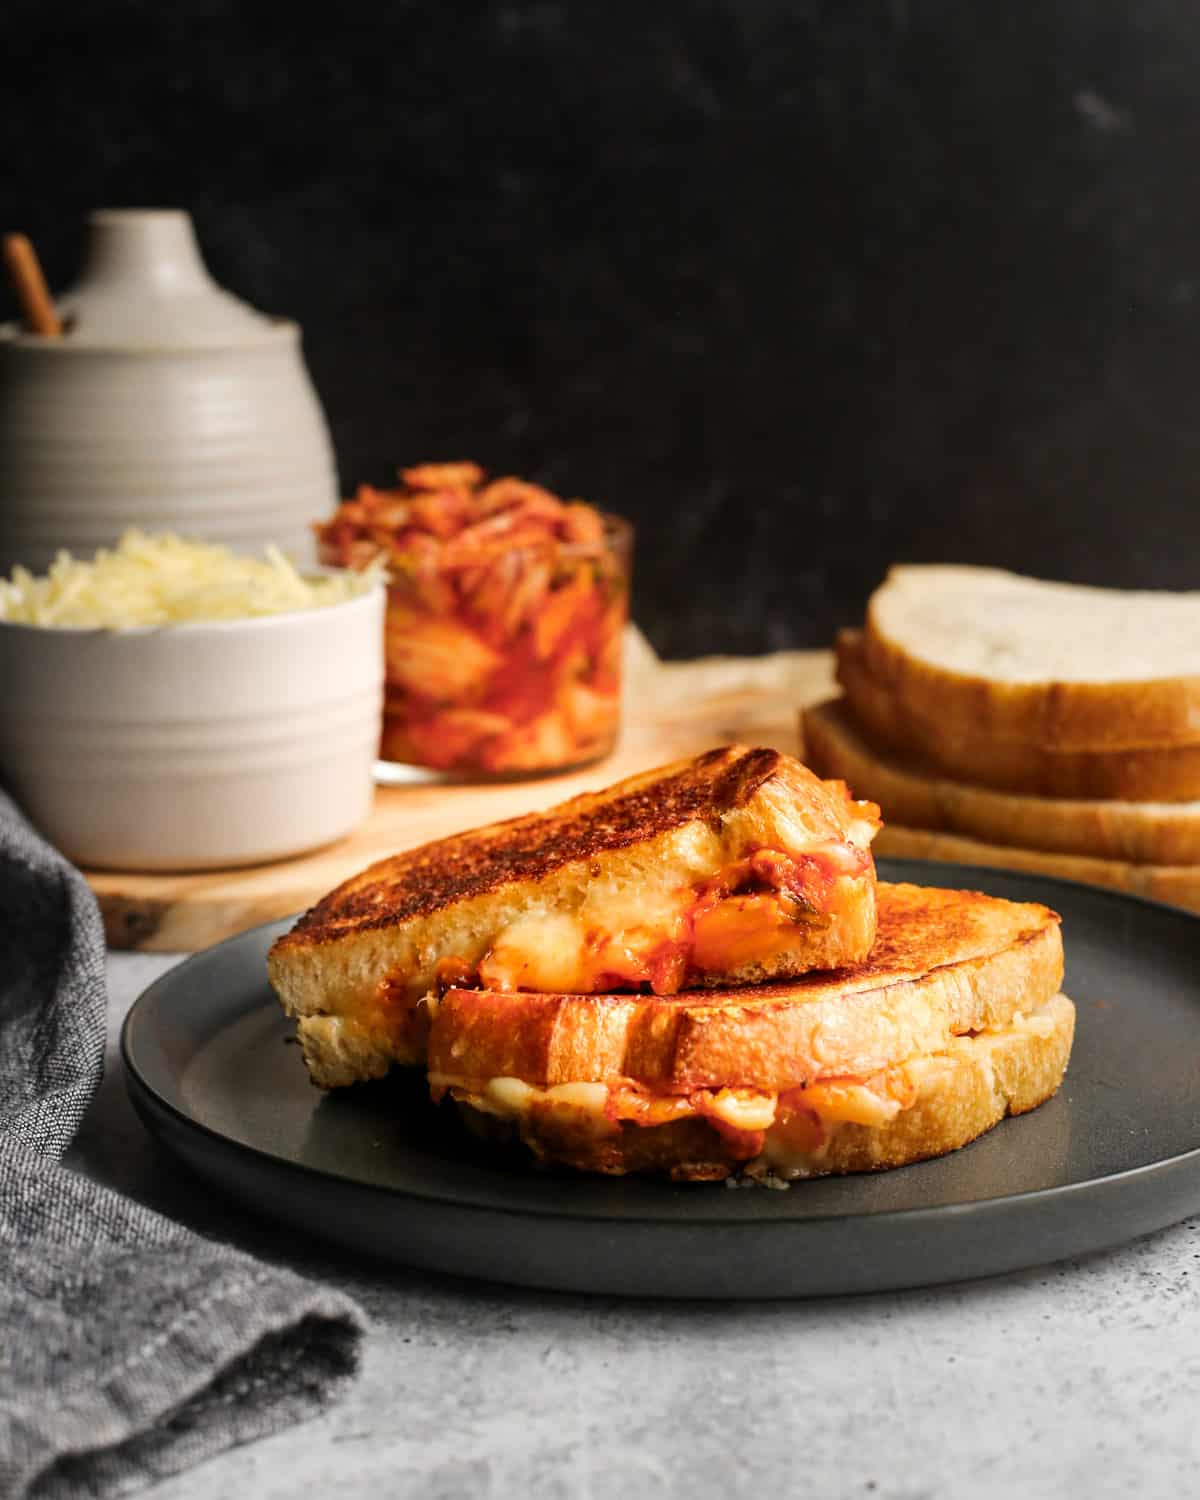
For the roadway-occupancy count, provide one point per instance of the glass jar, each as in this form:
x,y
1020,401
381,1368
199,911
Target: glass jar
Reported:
x,y
505,619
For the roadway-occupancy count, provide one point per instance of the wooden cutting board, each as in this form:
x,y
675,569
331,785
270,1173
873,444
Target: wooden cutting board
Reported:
x,y
672,710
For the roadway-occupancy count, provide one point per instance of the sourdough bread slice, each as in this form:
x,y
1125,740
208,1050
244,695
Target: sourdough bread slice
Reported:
x,y
1150,775
990,654
1142,833
944,962
735,867
954,1020
1177,884
950,1097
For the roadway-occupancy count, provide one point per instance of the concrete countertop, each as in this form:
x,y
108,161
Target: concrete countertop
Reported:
x,y
1078,1379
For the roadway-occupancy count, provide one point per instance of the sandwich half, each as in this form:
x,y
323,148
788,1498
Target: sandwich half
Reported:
x,y
739,866
954,1021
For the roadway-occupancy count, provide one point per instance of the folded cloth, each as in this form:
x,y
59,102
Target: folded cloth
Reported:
x,y
131,1347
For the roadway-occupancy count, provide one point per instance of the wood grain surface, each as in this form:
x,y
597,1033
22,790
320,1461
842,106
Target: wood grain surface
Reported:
x,y
672,710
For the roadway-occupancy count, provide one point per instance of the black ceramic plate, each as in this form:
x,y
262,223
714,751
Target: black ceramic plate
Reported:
x,y
1114,1155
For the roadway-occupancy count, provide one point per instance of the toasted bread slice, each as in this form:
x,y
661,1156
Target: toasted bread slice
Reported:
x,y
771,1076
925,1107
1149,775
738,866
581,1076
1143,833
991,654
943,962
1177,884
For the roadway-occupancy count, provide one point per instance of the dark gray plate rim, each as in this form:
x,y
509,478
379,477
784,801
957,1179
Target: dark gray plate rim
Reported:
x,y
1105,1208
460,1197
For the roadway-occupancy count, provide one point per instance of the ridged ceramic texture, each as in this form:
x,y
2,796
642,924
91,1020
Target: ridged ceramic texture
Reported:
x,y
223,444
195,746
167,404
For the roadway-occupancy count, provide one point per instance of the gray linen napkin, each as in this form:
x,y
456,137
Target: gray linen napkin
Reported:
x,y
130,1348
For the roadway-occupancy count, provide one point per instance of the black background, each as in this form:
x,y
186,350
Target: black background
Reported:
x,y
801,288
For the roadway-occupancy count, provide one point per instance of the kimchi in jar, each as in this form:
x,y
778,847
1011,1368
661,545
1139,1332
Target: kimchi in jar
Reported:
x,y
505,614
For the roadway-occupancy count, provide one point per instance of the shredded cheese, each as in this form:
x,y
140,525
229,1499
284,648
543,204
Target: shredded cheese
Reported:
x,y
167,580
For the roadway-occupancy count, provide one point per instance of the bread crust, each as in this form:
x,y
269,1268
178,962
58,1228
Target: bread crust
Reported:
x,y
1052,714
960,1092
355,969
1144,775
426,881
1166,834
1177,884
944,962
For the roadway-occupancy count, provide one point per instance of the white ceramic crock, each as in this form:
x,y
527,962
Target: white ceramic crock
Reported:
x,y
167,404
194,746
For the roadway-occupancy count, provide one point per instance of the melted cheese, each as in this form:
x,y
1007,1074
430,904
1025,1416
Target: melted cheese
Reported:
x,y
580,952
514,1099
619,935
740,1109
846,1101
860,833
797,1127
743,1109
793,1146
742,931
539,952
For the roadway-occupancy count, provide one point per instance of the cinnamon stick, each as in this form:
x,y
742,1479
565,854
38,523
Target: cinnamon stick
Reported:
x,y
25,272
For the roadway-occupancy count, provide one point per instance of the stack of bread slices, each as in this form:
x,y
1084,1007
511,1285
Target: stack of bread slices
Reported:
x,y
1001,720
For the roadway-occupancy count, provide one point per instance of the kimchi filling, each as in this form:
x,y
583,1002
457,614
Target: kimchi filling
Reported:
x,y
505,616
749,913
791,1124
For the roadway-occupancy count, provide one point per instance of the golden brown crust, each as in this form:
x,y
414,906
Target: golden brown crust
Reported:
x,y
943,962
593,920
960,1093
1178,884
1052,715
520,850
1129,831
1139,775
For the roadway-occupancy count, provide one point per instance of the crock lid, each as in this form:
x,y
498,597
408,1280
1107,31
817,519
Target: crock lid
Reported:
x,y
145,284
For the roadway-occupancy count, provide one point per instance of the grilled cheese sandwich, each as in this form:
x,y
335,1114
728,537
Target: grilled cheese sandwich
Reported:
x,y
955,1020
691,974
738,866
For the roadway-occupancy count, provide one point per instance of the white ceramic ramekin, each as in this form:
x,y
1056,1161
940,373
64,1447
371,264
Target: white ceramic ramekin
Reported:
x,y
194,746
